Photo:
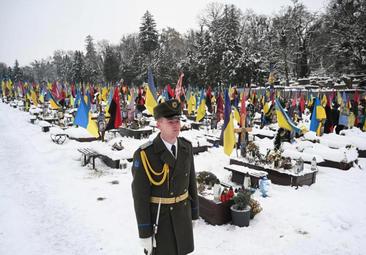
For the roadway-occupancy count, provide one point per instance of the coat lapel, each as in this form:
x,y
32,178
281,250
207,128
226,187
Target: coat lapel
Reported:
x,y
182,156
165,155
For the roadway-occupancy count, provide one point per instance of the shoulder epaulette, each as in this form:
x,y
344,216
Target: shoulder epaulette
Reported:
x,y
186,140
145,145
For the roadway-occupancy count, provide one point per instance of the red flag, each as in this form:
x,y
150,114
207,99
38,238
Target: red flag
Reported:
x,y
73,92
115,111
220,107
55,91
243,111
356,97
302,104
170,91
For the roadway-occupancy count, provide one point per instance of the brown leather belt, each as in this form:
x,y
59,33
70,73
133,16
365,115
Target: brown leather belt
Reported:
x,y
169,200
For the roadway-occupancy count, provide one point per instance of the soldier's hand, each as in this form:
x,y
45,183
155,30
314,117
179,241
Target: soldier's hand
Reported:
x,y
146,244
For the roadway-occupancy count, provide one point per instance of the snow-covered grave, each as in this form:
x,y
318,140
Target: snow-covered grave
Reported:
x,y
334,149
357,138
263,133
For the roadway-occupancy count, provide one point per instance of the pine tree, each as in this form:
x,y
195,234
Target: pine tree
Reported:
x,y
132,65
17,74
344,24
111,65
148,35
92,72
169,55
3,71
231,65
77,71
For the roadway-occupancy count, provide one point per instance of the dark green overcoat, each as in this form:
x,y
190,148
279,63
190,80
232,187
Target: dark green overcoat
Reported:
x,y
175,234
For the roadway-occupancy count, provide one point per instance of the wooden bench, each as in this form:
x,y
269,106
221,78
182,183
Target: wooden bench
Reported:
x,y
89,154
239,172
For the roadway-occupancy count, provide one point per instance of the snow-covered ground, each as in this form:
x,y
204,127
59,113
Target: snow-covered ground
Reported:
x,y
49,204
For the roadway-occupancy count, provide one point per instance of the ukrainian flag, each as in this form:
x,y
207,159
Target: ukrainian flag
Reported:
x,y
83,119
54,105
228,128
236,115
317,117
284,121
151,98
201,111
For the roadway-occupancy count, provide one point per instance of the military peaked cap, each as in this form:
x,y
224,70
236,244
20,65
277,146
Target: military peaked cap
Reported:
x,y
168,109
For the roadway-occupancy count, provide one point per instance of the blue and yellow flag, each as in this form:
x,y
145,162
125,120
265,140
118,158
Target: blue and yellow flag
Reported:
x,y
201,111
236,115
83,119
151,97
317,117
284,121
54,105
228,127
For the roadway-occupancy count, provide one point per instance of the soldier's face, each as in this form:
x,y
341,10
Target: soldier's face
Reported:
x,y
169,128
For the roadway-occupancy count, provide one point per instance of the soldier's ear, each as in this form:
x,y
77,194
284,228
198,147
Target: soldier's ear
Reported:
x,y
158,121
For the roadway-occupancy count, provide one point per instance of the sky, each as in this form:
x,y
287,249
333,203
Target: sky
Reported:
x,y
34,29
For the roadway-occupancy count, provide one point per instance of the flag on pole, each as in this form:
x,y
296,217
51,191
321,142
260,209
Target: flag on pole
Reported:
x,y
83,119
54,105
201,111
317,117
243,110
114,111
191,103
228,127
236,115
179,90
284,121
220,107
151,98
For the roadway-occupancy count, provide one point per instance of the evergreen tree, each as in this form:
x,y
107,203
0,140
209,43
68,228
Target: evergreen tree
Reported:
x,y
344,24
77,71
111,65
170,53
17,74
62,62
231,65
92,72
131,60
3,71
43,70
302,23
148,35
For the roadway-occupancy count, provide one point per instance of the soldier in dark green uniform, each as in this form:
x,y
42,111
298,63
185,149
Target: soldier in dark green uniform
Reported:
x,y
163,173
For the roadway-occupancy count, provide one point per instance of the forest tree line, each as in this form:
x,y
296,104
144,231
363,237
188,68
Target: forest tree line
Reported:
x,y
231,47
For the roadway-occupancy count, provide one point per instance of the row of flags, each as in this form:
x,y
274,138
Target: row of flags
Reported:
x,y
227,106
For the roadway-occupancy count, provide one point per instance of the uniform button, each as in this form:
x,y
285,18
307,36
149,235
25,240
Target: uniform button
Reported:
x,y
171,193
186,174
185,190
185,203
171,208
